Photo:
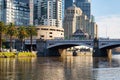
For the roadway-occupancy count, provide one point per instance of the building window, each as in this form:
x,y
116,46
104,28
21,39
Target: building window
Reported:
x,y
50,32
42,36
52,29
44,29
50,36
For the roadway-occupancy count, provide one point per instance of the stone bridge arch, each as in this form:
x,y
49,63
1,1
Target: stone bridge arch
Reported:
x,y
58,48
67,45
106,49
110,46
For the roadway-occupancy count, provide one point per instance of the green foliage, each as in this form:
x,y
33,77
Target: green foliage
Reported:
x,y
32,31
2,30
22,33
26,54
2,27
3,46
11,30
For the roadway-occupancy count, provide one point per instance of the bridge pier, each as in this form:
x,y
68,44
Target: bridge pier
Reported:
x,y
62,52
96,50
109,53
102,53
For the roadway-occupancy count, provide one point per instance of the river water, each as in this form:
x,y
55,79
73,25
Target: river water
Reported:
x,y
60,68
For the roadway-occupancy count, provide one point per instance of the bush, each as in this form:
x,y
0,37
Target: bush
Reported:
x,y
26,54
7,54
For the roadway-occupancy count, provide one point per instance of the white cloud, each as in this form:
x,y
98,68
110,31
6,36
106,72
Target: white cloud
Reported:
x,y
109,26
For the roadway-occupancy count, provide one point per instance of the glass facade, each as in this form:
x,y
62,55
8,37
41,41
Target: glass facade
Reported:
x,y
50,11
21,13
1,9
42,11
85,5
63,9
15,11
68,3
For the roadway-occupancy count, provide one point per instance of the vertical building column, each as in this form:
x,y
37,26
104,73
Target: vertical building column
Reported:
x,y
31,5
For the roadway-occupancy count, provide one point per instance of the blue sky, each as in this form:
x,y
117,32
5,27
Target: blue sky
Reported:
x,y
107,16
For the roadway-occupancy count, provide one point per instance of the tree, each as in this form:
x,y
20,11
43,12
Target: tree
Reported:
x,y
2,30
22,33
32,31
11,31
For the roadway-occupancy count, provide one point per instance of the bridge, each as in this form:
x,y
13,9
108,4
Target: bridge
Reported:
x,y
100,47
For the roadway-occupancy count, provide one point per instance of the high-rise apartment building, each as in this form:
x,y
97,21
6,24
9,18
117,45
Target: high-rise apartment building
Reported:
x,y
1,9
63,9
31,8
19,12
50,12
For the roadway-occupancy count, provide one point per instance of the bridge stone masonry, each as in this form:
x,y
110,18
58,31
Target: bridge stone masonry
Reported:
x,y
103,48
100,47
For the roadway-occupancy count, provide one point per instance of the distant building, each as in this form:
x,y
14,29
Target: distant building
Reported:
x,y
49,32
79,34
85,5
50,12
35,22
68,3
19,12
75,19
2,6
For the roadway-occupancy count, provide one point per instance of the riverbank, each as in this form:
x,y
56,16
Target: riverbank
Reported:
x,y
17,54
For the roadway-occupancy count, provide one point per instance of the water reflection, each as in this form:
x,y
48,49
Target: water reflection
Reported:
x,y
67,68
16,69
104,62
106,68
46,68
6,67
78,68
60,68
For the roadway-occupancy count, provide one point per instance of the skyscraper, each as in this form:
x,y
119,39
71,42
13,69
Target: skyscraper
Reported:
x,y
2,10
68,3
19,12
50,12
85,5
31,7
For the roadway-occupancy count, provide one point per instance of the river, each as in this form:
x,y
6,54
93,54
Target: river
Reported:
x,y
60,68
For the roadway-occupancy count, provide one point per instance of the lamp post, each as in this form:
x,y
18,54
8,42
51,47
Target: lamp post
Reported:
x,y
106,31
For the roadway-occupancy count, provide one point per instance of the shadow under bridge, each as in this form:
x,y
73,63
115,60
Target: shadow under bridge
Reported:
x,y
106,50
59,48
